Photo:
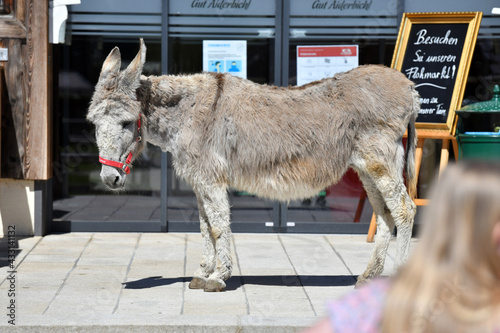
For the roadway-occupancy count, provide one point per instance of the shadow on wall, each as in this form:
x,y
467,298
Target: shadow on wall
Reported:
x,y
16,217
8,252
17,207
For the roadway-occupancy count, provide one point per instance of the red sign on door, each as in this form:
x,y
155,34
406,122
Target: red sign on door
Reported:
x,y
318,62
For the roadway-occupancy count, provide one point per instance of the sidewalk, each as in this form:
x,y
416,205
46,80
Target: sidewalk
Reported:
x,y
138,282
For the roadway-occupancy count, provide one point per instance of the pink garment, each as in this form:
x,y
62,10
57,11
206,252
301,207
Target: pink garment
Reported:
x,y
360,311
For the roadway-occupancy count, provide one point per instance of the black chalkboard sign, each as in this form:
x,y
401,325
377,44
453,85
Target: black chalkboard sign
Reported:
x,y
434,50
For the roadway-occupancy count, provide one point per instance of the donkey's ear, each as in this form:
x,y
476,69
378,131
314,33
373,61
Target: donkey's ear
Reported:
x,y
111,67
132,74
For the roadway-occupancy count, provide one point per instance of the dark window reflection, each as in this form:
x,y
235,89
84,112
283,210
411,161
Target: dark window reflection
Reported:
x,y
76,168
5,6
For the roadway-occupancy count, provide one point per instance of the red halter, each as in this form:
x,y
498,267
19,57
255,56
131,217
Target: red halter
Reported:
x,y
124,166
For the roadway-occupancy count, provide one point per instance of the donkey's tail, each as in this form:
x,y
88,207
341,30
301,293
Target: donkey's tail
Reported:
x,y
411,144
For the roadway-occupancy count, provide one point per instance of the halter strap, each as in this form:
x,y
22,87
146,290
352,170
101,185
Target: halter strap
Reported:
x,y
126,165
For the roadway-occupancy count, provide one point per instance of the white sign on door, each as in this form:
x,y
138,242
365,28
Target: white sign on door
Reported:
x,y
225,56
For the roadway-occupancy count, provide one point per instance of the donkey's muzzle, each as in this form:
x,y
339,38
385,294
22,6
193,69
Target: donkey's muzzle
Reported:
x,y
113,178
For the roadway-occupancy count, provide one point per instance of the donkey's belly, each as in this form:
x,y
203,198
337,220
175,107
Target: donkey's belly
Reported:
x,y
279,189
297,178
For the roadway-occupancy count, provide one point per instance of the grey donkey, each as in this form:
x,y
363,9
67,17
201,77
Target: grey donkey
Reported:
x,y
278,143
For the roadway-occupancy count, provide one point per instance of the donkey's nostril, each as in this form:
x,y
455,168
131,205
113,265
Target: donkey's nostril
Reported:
x,y
112,178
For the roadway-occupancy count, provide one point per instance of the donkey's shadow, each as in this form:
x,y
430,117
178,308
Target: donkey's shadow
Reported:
x,y
238,281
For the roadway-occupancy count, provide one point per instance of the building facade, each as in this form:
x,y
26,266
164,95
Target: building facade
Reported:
x,y
26,126
174,32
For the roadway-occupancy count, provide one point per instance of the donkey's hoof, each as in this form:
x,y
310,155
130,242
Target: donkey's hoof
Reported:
x,y
361,282
215,285
197,282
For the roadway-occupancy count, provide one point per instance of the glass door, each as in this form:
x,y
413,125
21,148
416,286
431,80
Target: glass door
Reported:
x,y
81,201
248,212
370,33
342,207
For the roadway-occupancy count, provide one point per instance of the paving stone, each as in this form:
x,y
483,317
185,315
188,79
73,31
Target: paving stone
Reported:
x,y
151,269
115,282
215,309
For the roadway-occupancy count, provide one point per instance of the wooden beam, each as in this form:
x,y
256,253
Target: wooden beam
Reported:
x,y
27,141
13,117
20,11
372,230
454,144
38,159
418,156
445,155
11,28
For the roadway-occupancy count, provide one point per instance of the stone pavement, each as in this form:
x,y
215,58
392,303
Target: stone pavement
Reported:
x,y
138,282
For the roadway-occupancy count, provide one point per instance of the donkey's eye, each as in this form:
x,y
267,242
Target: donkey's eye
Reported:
x,y
126,124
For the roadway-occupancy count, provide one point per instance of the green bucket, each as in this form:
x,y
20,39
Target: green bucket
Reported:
x,y
478,128
479,147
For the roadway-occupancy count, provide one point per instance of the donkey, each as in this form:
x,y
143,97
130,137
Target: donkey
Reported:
x,y
278,143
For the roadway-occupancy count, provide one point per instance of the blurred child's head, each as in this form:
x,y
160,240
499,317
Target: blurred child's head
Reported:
x,y
461,224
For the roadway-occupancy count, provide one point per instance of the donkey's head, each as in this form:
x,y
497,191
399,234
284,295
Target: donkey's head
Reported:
x,y
116,114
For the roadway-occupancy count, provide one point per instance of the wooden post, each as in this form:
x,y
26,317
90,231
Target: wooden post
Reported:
x,y
38,149
27,83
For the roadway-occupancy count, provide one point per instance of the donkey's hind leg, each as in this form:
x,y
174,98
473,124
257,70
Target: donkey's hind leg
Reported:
x,y
385,225
207,265
390,183
395,208
216,206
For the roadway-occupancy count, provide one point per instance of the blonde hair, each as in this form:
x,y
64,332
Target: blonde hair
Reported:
x,y
452,281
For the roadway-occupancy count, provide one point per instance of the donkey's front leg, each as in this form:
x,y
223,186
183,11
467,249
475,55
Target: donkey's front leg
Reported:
x,y
207,265
216,206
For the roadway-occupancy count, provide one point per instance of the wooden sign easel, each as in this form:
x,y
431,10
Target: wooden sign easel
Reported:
x,y
434,50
